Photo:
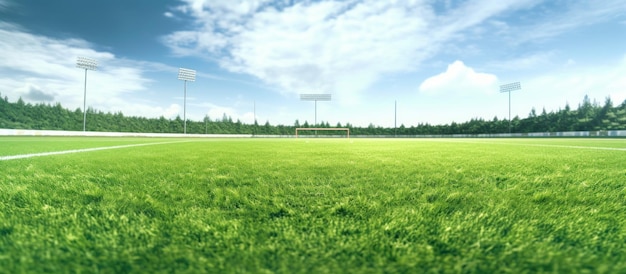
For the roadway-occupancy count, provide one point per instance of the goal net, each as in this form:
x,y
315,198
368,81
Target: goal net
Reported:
x,y
347,130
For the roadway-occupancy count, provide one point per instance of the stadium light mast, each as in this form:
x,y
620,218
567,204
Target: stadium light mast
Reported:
x,y
254,125
186,75
508,88
315,97
206,123
395,118
86,64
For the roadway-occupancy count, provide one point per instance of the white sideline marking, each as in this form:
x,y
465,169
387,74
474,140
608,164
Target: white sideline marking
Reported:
x,y
545,145
579,147
13,157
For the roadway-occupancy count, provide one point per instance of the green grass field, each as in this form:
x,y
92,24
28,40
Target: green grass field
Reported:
x,y
314,206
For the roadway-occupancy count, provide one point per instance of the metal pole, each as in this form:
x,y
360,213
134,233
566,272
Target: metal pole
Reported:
x,y
86,64
185,110
186,75
315,117
254,115
315,114
395,119
315,97
508,88
85,104
509,112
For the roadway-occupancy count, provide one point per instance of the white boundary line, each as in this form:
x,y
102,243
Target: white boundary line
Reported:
x,y
577,147
541,145
22,156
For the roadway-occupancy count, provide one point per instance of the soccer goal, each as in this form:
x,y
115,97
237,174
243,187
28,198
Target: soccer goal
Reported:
x,y
347,130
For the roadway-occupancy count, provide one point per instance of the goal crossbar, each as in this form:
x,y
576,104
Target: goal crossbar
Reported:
x,y
324,128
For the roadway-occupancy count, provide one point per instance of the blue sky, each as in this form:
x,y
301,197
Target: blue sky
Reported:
x,y
441,61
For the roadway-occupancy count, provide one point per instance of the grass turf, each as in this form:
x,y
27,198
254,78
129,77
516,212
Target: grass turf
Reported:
x,y
312,205
26,145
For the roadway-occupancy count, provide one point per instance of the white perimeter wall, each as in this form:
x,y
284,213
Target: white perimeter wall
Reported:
x,y
29,132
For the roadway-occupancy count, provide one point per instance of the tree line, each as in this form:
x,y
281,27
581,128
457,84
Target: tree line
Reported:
x,y
587,116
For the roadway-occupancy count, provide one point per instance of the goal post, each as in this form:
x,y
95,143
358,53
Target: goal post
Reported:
x,y
347,130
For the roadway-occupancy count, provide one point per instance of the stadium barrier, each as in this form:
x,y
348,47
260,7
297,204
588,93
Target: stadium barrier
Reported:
x,y
32,132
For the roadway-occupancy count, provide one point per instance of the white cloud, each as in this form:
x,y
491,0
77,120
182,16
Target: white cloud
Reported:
x,y
459,79
570,62
530,61
171,111
35,94
568,16
4,5
216,112
43,69
39,68
569,85
339,47
168,14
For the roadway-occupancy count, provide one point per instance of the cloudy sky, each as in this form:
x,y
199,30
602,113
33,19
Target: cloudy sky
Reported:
x,y
440,60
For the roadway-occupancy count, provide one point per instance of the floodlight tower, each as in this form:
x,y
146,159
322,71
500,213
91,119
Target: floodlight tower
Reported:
x,y
254,123
508,88
86,64
186,75
315,97
395,118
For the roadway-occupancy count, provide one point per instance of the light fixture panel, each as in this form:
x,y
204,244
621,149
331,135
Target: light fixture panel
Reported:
x,y
186,74
510,87
86,63
316,97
